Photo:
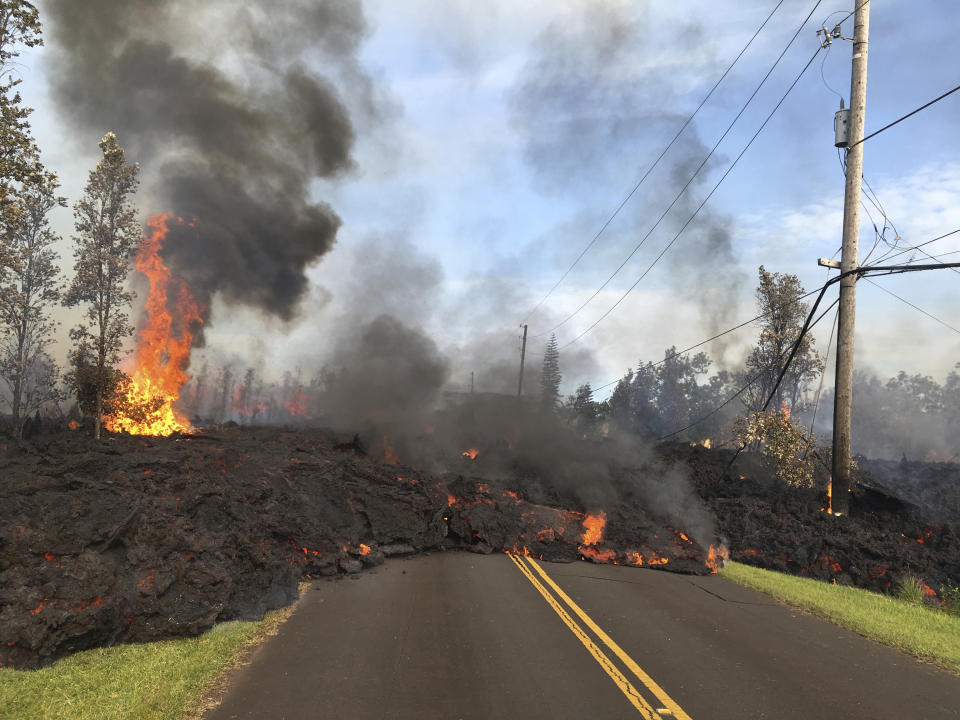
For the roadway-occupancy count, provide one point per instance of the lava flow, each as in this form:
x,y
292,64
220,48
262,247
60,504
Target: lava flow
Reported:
x,y
163,346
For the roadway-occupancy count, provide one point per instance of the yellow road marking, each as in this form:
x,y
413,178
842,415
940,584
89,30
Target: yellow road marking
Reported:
x,y
631,664
605,662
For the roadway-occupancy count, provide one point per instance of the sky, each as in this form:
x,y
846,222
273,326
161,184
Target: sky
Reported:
x,y
499,137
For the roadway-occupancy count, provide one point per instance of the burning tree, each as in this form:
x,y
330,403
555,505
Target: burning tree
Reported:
x,y
27,290
108,234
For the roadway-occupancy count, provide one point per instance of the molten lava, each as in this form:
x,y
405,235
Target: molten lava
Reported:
x,y
471,453
593,525
717,557
163,345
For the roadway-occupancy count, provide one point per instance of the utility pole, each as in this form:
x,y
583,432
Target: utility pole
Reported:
x,y
471,382
523,355
843,396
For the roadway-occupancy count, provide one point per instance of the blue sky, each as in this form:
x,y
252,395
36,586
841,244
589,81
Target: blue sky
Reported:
x,y
511,130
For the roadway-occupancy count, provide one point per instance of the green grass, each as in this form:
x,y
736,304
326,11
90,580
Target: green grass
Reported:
x,y
166,680
924,632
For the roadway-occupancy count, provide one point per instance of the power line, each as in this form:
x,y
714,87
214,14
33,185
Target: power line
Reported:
x,y
718,335
654,165
695,173
917,247
909,114
699,207
918,309
751,381
861,271
760,317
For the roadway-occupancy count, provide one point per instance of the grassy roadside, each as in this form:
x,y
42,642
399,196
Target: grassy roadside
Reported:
x,y
923,632
166,680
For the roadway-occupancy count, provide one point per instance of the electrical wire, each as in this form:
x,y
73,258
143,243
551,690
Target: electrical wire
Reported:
x,y
918,309
697,171
751,381
909,114
823,375
654,165
718,335
699,207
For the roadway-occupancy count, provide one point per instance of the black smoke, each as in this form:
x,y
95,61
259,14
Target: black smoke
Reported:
x,y
224,108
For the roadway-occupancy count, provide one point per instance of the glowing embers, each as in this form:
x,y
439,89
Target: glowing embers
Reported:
x,y
163,345
471,453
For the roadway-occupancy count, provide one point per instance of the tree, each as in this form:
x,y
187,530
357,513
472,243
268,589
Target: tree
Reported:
x,y
585,411
19,158
108,235
27,290
783,317
550,378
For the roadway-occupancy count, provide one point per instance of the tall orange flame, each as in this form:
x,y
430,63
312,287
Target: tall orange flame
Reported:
x,y
162,352
593,525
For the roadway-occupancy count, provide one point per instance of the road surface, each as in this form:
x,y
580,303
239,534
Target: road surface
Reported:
x,y
473,637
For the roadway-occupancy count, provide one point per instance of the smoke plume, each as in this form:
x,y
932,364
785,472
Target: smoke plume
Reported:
x,y
224,108
602,95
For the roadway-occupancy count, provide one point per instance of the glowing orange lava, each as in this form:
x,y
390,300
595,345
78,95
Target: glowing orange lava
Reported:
x,y
471,453
717,557
389,456
163,345
593,525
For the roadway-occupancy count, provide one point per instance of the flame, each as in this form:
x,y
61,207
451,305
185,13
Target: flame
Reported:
x,y
717,557
162,353
471,453
297,405
927,590
830,496
74,425
364,549
593,527
785,411
451,499
389,456
634,557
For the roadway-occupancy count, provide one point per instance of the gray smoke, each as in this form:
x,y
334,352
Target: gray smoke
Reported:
x,y
232,138
602,96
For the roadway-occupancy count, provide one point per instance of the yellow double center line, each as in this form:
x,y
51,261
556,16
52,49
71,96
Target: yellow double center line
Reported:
x,y
667,708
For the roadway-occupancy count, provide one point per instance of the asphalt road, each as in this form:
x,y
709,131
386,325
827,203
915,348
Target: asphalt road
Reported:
x,y
455,635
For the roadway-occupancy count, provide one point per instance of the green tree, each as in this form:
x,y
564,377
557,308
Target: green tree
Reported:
x,y
108,235
784,314
27,290
550,377
584,410
19,158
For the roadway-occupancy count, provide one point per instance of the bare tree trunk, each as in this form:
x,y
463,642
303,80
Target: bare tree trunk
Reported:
x,y
98,419
17,395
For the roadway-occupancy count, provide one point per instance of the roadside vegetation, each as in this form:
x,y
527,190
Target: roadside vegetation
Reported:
x,y
165,680
905,622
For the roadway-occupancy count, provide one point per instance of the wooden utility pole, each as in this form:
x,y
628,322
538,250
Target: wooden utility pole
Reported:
x,y
523,355
843,396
